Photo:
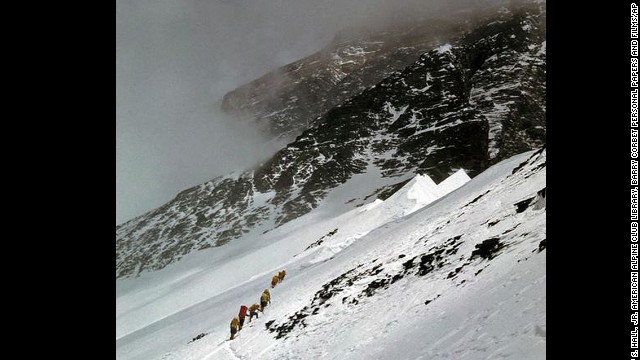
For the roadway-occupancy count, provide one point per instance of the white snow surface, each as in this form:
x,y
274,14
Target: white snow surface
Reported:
x,y
444,48
464,307
422,191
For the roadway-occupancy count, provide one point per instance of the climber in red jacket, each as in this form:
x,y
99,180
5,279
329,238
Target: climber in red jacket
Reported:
x,y
241,315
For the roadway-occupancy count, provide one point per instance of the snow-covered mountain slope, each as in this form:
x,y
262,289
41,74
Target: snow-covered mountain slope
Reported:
x,y
462,277
464,105
353,224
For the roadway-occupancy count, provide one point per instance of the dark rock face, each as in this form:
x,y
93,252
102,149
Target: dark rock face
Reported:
x,y
487,249
466,104
293,98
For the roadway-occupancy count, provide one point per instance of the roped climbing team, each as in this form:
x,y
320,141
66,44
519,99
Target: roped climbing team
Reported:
x,y
265,299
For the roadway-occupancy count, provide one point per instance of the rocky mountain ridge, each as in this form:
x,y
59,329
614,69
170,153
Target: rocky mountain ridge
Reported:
x,y
466,104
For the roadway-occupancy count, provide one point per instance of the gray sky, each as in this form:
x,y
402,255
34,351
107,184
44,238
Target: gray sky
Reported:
x,y
175,59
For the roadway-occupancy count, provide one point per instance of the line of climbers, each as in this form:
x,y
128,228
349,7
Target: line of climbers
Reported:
x,y
265,299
